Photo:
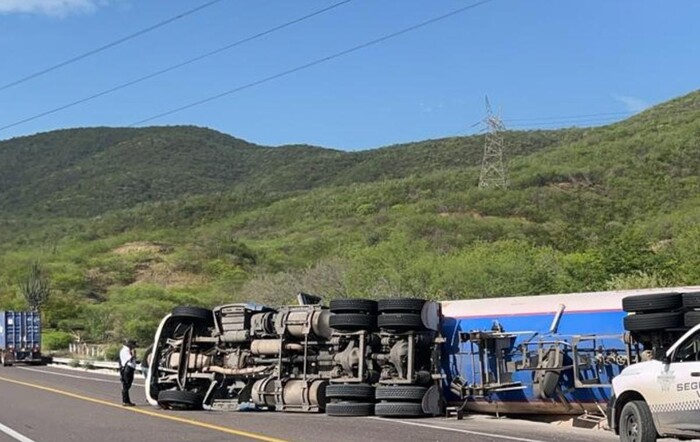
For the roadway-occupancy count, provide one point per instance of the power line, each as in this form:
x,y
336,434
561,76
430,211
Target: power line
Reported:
x,y
108,45
557,122
173,67
536,121
601,117
312,63
569,121
590,120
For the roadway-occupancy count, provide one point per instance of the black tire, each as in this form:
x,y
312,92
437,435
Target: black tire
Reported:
x,y
657,302
691,319
181,400
400,321
350,391
691,300
401,305
401,393
353,321
653,321
637,423
353,306
398,409
350,409
194,314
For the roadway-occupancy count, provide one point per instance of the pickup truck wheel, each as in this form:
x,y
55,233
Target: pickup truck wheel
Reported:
x,y
636,423
653,321
657,302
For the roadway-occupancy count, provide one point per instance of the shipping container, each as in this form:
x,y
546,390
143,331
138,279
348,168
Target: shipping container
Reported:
x,y
20,337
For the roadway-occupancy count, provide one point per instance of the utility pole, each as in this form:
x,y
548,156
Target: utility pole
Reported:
x,y
493,170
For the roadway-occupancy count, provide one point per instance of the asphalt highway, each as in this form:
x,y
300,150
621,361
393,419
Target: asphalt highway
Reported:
x,y
49,404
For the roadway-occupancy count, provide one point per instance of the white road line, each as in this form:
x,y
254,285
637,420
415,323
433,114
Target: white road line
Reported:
x,y
75,376
458,430
12,433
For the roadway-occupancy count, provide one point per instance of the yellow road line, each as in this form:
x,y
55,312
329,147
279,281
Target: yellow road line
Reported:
x,y
150,413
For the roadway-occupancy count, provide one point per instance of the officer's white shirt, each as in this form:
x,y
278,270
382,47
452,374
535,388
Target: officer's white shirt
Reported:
x,y
126,358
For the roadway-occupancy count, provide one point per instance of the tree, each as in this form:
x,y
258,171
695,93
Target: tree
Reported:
x,y
35,287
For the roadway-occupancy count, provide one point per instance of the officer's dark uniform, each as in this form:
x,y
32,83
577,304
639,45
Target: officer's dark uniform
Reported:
x,y
127,367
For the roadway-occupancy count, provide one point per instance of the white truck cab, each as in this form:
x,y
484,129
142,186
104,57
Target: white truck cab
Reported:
x,y
660,398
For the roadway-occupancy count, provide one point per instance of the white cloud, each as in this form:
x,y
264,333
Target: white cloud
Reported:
x,y
632,104
59,8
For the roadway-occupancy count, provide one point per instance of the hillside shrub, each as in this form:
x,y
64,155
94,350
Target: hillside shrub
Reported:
x,y
55,340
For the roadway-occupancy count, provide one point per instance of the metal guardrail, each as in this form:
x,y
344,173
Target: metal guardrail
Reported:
x,y
85,363
92,365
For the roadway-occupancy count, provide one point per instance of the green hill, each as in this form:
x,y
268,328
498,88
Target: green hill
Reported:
x,y
86,172
129,222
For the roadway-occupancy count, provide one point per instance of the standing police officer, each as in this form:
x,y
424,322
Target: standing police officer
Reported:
x,y
127,366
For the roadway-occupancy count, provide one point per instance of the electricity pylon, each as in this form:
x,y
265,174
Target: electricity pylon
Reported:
x,y
493,168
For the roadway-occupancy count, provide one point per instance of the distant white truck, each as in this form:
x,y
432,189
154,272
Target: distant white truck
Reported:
x,y
660,397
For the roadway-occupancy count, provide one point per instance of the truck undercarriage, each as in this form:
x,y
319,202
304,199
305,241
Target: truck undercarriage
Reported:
x,y
358,357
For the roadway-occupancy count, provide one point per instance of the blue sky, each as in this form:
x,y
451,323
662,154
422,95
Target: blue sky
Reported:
x,y
548,59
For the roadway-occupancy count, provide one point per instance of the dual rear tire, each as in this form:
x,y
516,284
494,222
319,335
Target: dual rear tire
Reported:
x,y
350,315
400,401
348,400
400,314
359,400
661,311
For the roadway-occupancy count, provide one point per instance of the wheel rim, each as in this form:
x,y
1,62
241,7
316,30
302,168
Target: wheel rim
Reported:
x,y
632,428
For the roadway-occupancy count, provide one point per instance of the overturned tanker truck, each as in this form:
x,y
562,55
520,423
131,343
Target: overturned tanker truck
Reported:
x,y
549,354
356,358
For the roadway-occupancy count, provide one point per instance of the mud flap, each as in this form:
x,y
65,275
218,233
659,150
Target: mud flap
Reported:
x,y
433,402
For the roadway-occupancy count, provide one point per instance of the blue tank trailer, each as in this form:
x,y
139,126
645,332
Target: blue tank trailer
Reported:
x,y
551,354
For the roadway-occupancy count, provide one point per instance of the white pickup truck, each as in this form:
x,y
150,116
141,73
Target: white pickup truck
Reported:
x,y
660,398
